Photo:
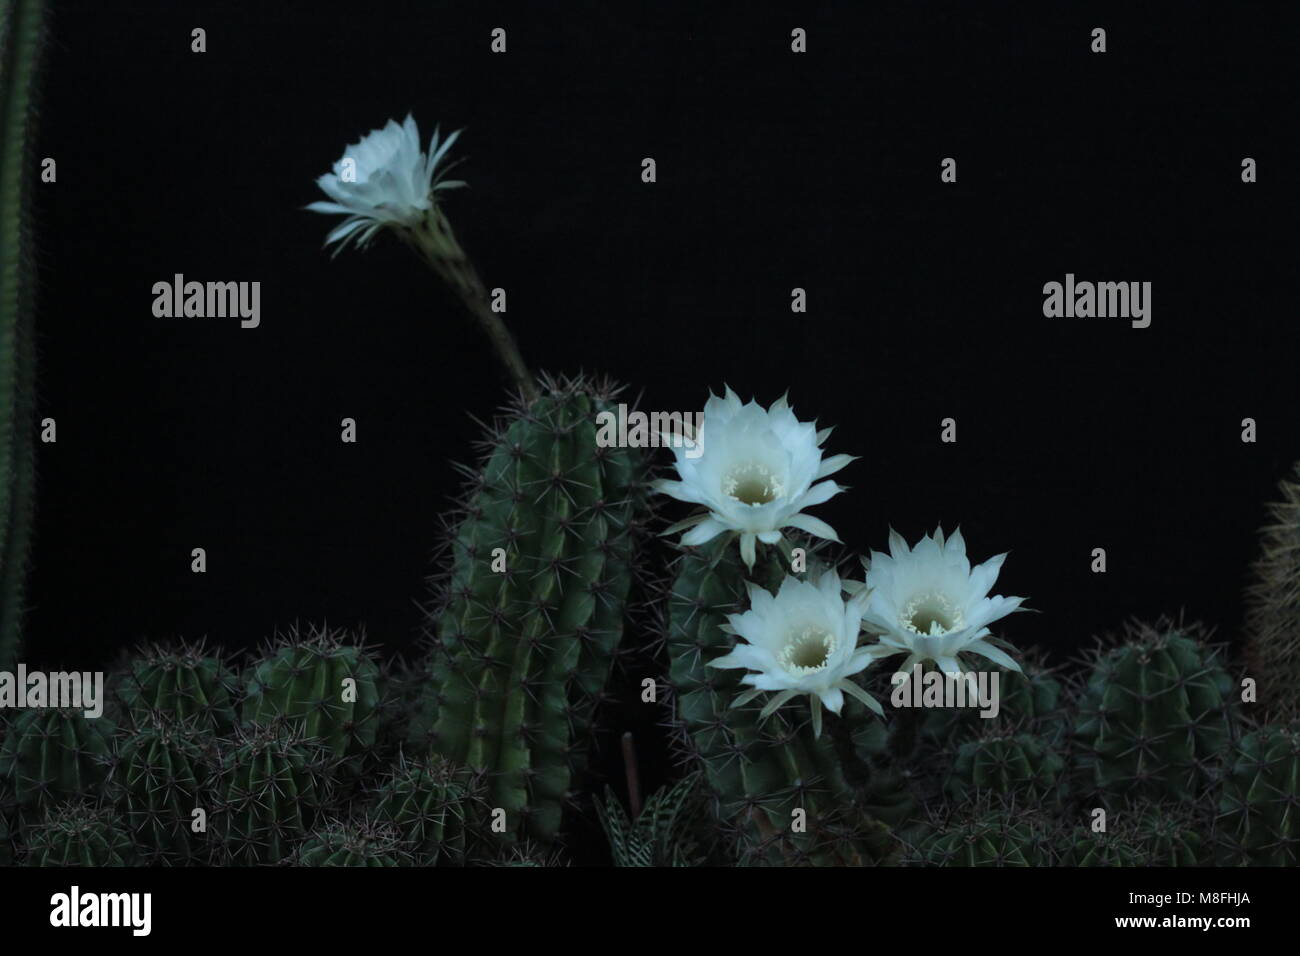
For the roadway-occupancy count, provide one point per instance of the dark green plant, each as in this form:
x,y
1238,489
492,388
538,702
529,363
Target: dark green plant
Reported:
x,y
79,834
352,843
161,778
271,786
1019,765
22,31
51,755
988,832
663,834
179,683
534,605
329,689
1259,802
1272,631
1154,716
438,809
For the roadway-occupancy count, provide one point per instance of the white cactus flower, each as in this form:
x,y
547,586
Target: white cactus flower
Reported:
x,y
384,180
756,470
928,603
803,640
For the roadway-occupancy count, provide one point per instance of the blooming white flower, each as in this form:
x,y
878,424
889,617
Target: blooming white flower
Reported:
x,y
803,640
755,473
929,603
384,180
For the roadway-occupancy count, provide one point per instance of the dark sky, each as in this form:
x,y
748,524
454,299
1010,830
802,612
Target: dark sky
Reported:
x,y
775,170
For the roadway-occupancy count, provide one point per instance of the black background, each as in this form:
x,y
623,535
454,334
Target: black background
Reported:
x,y
775,170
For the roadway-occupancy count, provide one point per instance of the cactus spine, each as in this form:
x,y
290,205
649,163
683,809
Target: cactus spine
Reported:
x,y
352,843
534,605
21,39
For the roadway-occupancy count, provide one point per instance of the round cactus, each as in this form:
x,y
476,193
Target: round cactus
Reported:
x,y
77,834
1168,837
435,807
1154,715
53,755
272,783
355,843
992,833
1005,764
1259,804
161,779
179,683
329,689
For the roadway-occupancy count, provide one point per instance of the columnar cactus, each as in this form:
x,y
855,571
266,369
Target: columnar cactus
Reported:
x,y
534,605
328,688
22,24
272,784
180,683
780,790
79,834
1154,714
1272,643
1259,804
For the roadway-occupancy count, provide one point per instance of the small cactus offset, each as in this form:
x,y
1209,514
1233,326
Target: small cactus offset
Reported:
x,y
534,606
272,784
1155,713
779,789
1272,628
1259,806
180,683
78,834
330,689
352,843
438,809
22,29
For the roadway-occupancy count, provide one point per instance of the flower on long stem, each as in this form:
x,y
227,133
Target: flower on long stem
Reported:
x,y
801,641
757,469
385,181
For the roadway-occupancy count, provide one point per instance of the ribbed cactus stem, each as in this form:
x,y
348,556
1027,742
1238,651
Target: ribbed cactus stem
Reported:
x,y
21,30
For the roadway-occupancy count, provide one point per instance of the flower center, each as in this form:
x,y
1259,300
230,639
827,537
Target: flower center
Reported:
x,y
753,484
807,650
931,614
